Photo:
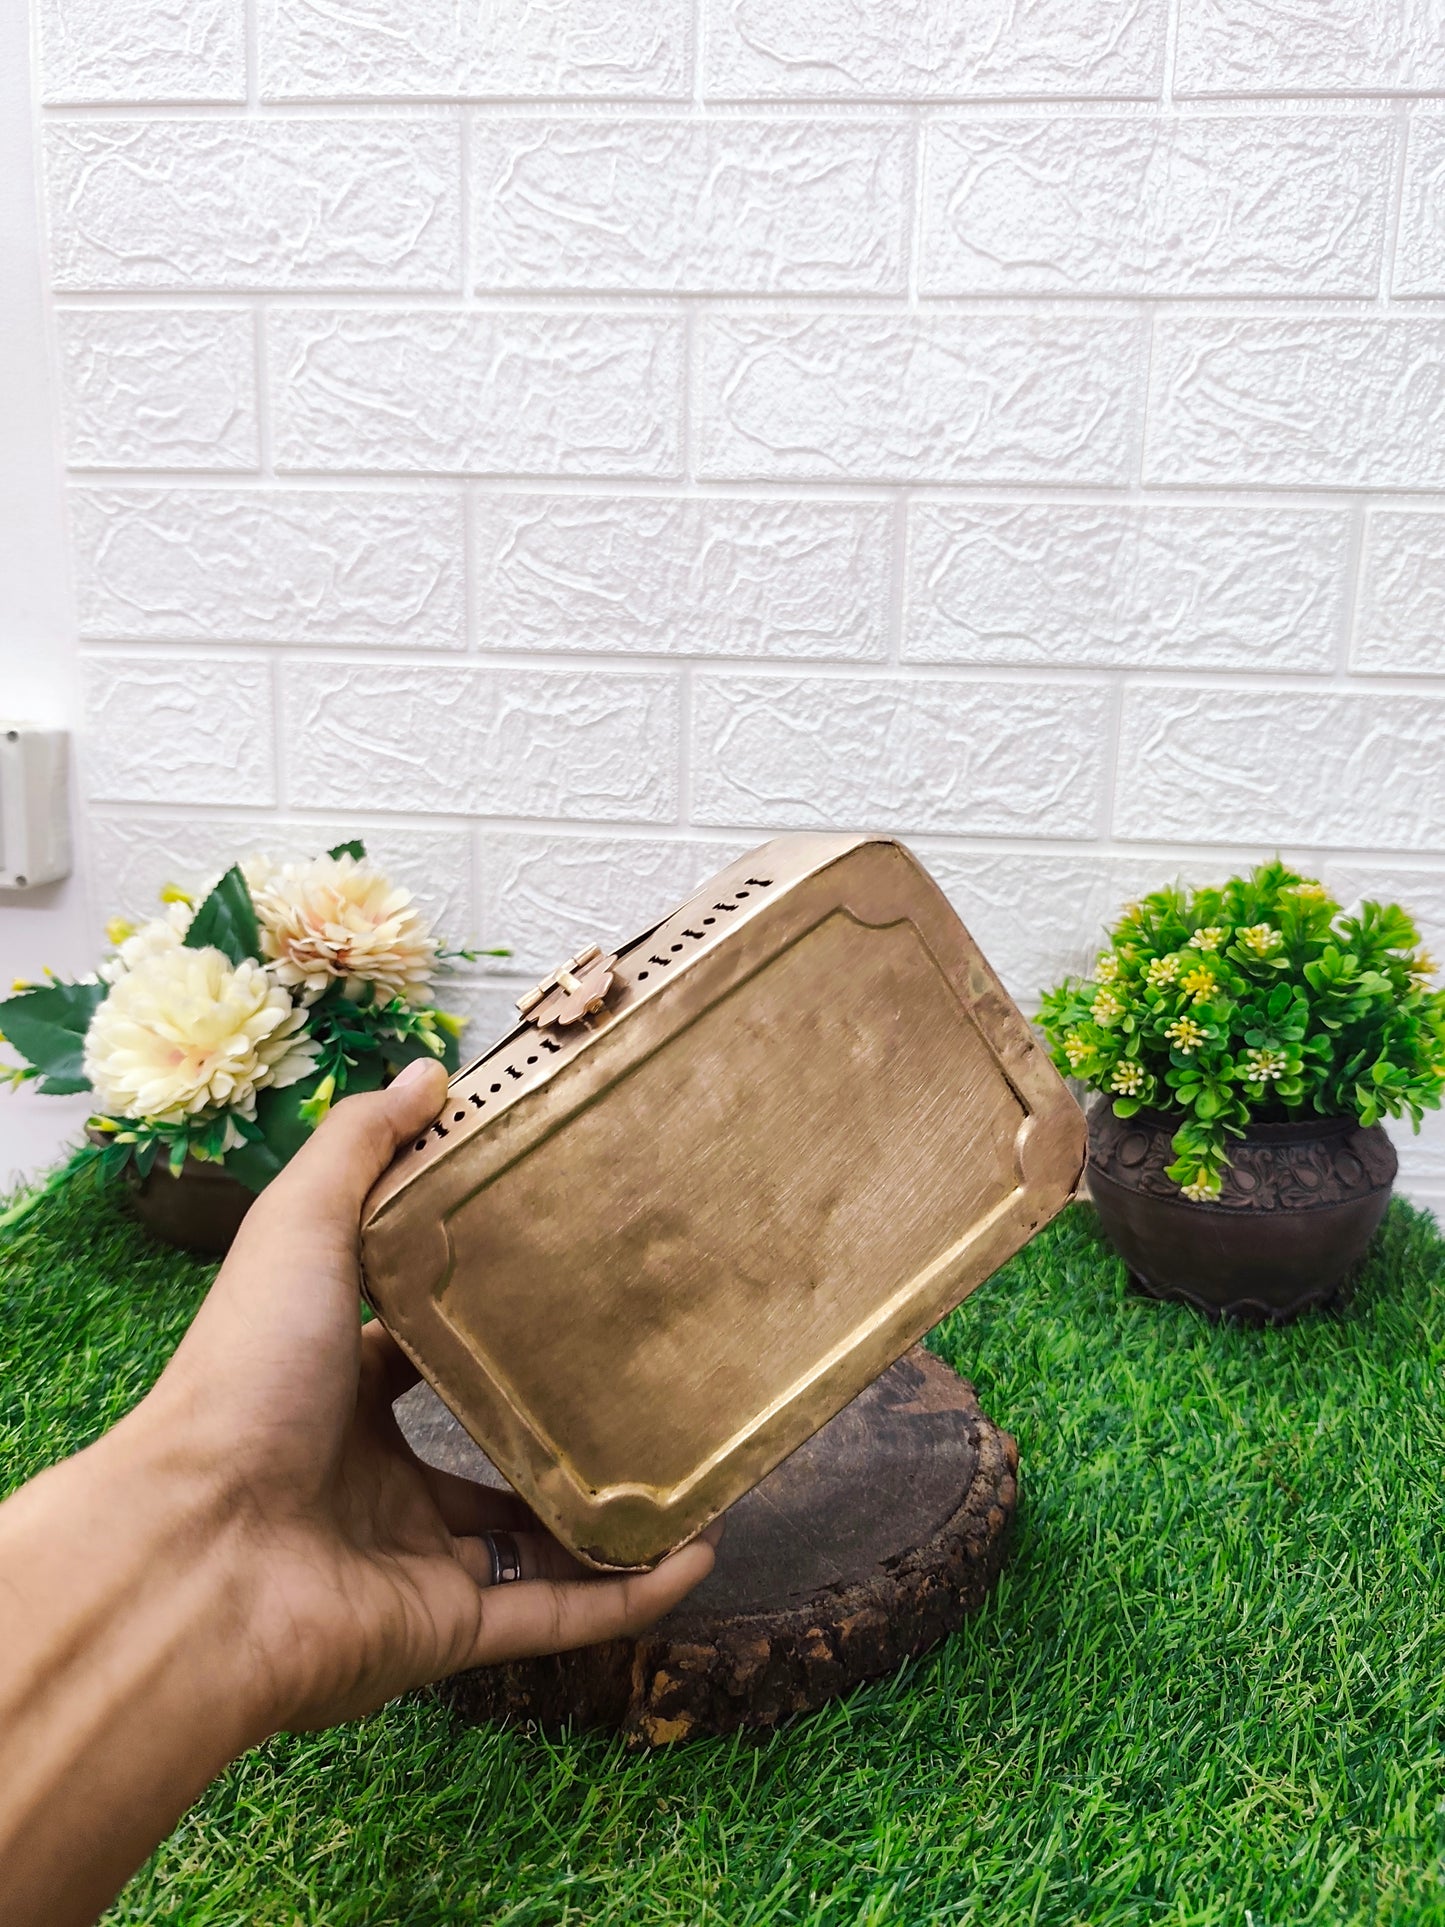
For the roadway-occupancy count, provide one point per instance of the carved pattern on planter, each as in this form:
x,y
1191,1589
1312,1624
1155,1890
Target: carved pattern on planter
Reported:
x,y
1265,1174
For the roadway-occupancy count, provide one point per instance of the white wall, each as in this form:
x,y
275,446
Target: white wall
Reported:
x,y
566,439
39,681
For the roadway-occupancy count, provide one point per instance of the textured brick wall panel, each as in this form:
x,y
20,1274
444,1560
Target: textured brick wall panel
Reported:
x,y
972,758
1420,264
1276,204
933,49
545,393
178,729
1070,584
938,399
154,50
1264,766
569,440
682,575
345,567
1320,402
1401,622
492,742
678,206
538,49
153,388
1324,47
224,203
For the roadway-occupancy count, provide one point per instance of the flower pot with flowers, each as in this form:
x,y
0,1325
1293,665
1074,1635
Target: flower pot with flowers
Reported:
x,y
1246,1042
215,1037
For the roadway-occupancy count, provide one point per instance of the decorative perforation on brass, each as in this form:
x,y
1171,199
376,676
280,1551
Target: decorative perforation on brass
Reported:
x,y
572,981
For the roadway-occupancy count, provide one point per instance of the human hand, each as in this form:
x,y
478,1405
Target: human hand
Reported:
x,y
253,1547
364,1568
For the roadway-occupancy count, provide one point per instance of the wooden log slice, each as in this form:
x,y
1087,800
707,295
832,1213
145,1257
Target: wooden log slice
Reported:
x,y
864,1548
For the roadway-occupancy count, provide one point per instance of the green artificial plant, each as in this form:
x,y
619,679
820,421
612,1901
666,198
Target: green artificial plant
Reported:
x,y
1259,1001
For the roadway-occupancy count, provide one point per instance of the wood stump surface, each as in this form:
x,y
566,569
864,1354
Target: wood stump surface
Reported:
x,y
865,1547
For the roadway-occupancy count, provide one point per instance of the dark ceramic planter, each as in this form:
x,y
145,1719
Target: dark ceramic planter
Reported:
x,y
200,1211
1299,1206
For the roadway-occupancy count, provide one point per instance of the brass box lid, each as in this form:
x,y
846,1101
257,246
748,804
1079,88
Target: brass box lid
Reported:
x,y
644,1255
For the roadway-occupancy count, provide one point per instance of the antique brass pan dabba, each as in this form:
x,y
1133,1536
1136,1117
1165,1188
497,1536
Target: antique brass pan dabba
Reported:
x,y
713,1184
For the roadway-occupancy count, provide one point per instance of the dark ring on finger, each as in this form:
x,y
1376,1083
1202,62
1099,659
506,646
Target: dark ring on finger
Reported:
x,y
505,1557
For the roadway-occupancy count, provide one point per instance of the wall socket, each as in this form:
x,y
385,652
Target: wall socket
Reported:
x,y
34,805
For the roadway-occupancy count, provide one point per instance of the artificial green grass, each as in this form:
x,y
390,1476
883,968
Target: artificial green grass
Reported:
x,y
1209,1688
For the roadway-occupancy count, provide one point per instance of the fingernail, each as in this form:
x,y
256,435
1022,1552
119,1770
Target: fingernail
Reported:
x,y
409,1073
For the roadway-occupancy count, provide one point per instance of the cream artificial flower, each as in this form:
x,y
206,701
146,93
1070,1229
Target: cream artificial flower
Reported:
x,y
336,920
186,1031
1128,1078
257,868
1262,938
1186,1034
1106,970
1161,971
1077,1050
1209,938
1107,1005
150,940
1199,982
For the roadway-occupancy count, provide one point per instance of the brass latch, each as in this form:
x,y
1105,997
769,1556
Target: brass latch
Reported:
x,y
572,992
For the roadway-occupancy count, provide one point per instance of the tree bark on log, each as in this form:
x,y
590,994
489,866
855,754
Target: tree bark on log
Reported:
x,y
865,1547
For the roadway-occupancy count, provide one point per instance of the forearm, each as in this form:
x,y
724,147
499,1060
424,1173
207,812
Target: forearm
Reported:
x,y
123,1668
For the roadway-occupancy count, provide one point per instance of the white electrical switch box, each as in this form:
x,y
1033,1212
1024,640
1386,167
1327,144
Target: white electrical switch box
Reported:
x,y
34,805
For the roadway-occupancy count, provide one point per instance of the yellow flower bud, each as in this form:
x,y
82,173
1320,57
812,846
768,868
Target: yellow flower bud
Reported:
x,y
315,1107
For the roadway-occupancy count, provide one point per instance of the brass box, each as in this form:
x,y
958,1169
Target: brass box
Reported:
x,y
644,1255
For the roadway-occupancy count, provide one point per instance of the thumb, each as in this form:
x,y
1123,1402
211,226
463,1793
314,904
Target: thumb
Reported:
x,y
333,1171
303,1227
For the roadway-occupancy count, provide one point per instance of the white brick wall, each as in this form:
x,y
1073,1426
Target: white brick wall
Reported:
x,y
1156,204
159,388
685,206
567,439
232,203
507,49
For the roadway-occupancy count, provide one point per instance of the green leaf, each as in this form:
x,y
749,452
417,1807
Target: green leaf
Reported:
x,y
48,1027
283,1130
226,921
355,849
364,1073
62,1086
254,1165
114,1158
